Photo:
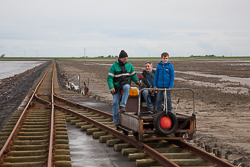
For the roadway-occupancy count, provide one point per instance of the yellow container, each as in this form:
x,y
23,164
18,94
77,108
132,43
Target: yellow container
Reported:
x,y
133,92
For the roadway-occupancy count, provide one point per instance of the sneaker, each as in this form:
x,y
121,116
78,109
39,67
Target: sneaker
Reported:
x,y
116,123
122,109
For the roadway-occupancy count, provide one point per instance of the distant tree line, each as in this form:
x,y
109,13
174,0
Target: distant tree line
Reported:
x,y
108,56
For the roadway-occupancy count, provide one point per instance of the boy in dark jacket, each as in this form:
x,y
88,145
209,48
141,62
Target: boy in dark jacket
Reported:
x,y
148,82
164,78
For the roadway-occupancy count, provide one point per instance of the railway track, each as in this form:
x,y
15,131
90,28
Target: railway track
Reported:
x,y
37,135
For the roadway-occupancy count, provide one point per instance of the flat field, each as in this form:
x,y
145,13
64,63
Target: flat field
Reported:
x,y
221,96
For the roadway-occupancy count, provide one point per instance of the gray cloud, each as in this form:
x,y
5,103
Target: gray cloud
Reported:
x,y
144,28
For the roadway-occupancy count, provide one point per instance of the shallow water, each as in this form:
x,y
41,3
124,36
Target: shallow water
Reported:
x,y
10,68
227,61
243,81
224,87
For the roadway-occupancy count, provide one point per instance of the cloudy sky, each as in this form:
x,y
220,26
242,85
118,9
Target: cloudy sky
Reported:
x,y
143,28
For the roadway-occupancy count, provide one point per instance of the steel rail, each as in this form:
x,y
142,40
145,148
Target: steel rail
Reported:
x,y
139,145
203,154
42,100
8,143
107,115
52,120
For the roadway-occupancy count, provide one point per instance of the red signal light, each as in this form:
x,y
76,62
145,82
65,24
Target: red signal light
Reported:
x,y
165,122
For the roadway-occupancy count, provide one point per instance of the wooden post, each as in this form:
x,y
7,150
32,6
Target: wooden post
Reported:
x,y
80,83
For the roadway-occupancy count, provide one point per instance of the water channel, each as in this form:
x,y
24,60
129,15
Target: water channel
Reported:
x,y
11,68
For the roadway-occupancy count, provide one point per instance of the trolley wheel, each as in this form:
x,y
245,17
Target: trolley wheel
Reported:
x,y
165,123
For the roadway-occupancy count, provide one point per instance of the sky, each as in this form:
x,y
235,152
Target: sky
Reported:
x,y
143,28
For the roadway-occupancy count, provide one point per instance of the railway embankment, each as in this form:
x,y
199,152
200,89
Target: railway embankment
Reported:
x,y
14,89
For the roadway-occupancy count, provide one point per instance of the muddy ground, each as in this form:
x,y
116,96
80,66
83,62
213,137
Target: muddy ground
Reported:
x,y
221,102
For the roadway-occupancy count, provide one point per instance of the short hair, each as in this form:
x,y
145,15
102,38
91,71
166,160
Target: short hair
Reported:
x,y
164,54
149,62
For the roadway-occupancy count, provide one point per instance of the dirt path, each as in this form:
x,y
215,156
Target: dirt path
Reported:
x,y
222,106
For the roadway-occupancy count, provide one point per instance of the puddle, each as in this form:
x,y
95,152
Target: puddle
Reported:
x,y
220,87
243,81
104,64
246,64
91,104
90,64
227,61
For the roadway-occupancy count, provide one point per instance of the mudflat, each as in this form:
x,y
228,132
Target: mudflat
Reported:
x,y
222,101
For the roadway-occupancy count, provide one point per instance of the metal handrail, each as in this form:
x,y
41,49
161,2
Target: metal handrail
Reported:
x,y
165,99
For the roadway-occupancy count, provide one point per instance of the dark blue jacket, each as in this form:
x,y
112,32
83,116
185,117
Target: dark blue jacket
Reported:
x,y
164,75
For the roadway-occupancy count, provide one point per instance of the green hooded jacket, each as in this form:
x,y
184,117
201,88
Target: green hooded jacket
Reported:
x,y
117,76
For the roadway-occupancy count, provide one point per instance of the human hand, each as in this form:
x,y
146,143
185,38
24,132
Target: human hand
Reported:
x,y
150,90
139,83
112,91
155,90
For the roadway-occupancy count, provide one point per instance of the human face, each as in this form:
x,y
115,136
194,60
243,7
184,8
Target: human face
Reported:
x,y
165,59
148,67
124,59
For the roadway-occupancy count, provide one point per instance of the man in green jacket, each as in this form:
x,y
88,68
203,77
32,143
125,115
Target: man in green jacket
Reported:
x,y
119,78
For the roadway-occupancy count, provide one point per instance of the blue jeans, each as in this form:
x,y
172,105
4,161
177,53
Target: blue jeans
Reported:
x,y
116,100
148,98
160,95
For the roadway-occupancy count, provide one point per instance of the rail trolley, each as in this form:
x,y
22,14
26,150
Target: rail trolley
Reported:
x,y
166,125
